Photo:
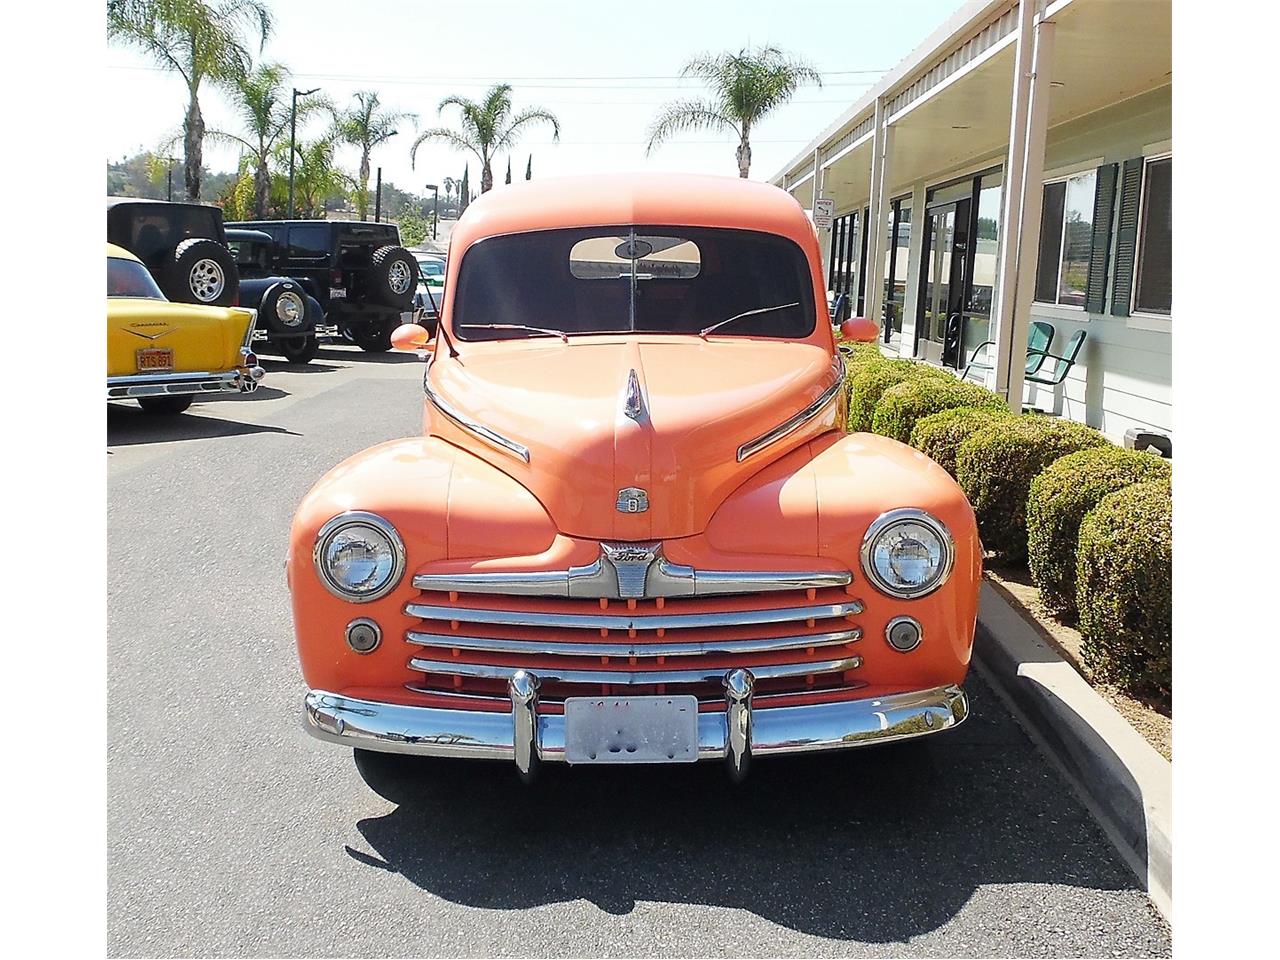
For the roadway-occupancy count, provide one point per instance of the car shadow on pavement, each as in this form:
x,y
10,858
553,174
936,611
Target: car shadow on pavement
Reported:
x,y
128,425
877,845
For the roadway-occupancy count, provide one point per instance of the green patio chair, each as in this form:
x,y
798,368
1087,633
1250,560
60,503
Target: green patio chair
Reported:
x,y
1061,365
1039,338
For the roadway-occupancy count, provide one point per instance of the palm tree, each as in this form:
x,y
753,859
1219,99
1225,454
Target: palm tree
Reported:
x,y
316,178
487,128
263,103
366,125
745,88
200,40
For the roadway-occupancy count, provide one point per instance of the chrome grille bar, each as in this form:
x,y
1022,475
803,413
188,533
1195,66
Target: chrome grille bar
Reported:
x,y
606,621
692,648
770,671
662,579
773,699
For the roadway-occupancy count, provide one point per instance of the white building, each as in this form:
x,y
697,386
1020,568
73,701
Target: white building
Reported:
x,y
1037,134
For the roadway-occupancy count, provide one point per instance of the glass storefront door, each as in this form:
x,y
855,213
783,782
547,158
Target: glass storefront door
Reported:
x,y
944,283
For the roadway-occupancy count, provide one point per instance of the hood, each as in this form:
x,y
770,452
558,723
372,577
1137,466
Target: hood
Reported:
x,y
601,416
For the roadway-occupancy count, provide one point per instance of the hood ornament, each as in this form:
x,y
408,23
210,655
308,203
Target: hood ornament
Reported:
x,y
633,400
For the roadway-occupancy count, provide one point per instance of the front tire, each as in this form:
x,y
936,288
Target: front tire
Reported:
x,y
165,406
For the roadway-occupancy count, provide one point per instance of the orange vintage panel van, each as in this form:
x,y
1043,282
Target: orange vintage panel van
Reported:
x,y
634,528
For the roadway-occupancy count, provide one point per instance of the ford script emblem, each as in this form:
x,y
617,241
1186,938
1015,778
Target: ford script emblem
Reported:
x,y
632,500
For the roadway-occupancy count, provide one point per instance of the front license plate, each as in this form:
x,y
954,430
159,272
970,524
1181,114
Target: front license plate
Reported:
x,y
631,729
337,293
155,358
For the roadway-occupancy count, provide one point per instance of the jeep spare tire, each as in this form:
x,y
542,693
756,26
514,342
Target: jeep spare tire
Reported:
x,y
202,271
284,308
394,277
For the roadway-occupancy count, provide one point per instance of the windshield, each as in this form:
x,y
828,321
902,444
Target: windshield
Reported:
x,y
431,267
641,279
129,278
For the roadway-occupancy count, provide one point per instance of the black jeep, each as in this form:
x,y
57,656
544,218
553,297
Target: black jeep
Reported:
x,y
184,246
289,315
361,275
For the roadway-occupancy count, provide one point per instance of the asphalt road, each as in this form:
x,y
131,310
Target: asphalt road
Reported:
x,y
232,833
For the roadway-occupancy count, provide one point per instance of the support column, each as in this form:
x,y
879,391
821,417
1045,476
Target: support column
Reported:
x,y
1023,199
878,217
911,302
819,190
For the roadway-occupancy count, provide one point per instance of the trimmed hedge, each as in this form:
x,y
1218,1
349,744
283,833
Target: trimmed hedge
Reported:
x,y
1124,588
1058,500
901,406
995,467
873,379
938,435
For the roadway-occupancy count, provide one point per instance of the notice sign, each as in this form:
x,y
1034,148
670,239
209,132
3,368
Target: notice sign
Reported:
x,y
824,211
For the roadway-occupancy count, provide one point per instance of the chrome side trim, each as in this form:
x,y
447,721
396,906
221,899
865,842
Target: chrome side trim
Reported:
x,y
483,734
490,436
663,579
606,621
794,423
773,671
659,649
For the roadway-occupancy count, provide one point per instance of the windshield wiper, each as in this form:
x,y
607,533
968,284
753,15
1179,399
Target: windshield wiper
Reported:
x,y
515,326
749,313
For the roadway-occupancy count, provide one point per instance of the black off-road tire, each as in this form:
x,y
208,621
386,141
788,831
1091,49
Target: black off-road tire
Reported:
x,y
165,406
267,317
393,277
372,337
297,350
201,271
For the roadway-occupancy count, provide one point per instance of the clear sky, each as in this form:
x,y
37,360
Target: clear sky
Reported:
x,y
603,68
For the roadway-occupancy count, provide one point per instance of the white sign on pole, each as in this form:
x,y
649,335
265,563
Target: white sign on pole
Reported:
x,y
824,211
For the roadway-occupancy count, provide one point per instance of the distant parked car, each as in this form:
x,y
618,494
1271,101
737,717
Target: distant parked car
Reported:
x,y
362,277
430,291
183,245
165,354
289,316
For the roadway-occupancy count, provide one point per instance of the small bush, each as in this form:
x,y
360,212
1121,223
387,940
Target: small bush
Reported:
x,y
1124,588
873,379
1058,500
903,404
938,435
995,467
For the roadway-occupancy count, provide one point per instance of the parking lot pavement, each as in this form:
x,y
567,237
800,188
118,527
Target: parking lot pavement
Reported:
x,y
233,833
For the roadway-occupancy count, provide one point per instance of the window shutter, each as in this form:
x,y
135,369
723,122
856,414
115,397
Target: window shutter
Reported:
x,y
1127,237
1095,298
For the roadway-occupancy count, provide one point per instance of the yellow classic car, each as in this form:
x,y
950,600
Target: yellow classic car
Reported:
x,y
164,354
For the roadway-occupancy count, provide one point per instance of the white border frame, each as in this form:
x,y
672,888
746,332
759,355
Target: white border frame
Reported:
x,y
1064,174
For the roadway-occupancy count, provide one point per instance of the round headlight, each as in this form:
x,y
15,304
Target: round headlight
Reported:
x,y
289,308
907,553
359,556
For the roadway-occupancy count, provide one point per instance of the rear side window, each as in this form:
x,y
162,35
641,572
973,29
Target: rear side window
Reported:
x,y
309,242
155,232
128,278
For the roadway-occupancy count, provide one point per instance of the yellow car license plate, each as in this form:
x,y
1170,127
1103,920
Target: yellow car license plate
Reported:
x,y
155,358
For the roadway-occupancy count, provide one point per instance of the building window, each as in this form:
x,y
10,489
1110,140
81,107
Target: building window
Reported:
x,y
1153,287
1066,240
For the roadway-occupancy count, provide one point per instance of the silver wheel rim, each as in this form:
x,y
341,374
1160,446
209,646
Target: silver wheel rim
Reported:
x,y
207,280
399,276
297,301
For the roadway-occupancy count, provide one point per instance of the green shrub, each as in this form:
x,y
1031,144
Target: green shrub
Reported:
x,y
938,435
872,379
901,406
1058,500
1124,588
995,467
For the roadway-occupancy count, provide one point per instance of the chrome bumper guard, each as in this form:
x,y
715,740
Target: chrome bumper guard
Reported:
x,y
733,735
240,380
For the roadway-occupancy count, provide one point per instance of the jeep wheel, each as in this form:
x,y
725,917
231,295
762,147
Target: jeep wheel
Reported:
x,y
371,338
168,406
201,271
394,277
297,349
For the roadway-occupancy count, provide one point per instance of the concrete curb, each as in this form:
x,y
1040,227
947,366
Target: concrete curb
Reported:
x,y
1125,783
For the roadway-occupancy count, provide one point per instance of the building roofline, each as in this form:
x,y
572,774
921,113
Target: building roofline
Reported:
x,y
956,29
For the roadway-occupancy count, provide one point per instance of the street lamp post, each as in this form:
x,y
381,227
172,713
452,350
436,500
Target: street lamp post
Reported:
x,y
435,208
293,136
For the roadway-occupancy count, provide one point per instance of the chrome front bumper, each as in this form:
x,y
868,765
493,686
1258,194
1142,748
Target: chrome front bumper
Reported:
x,y
734,735
239,380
